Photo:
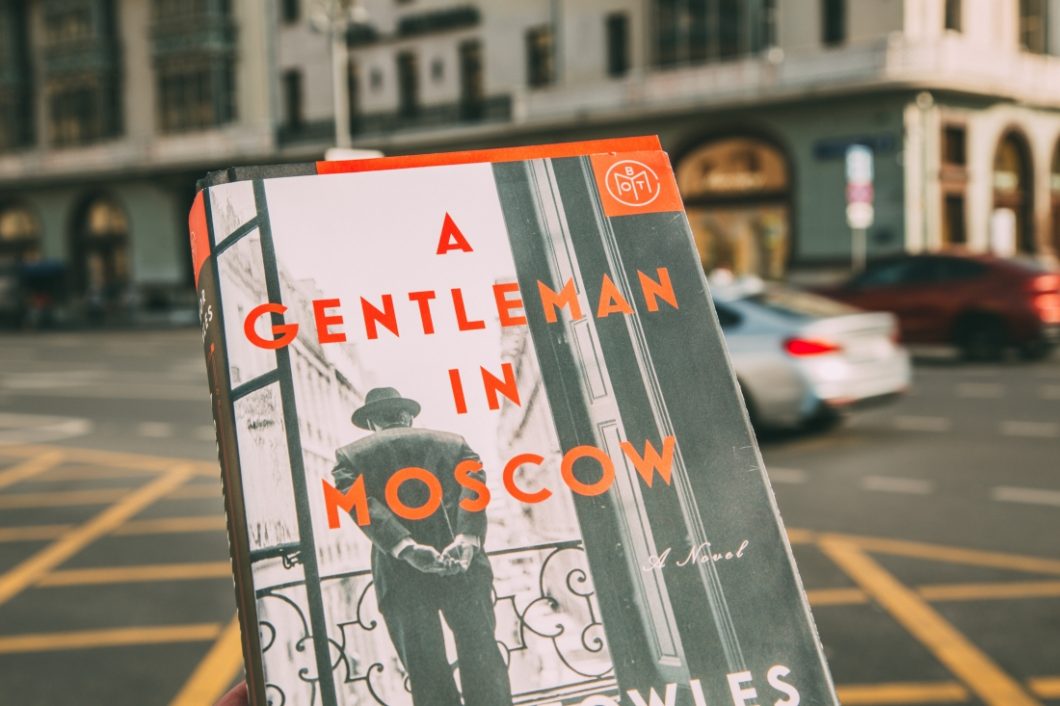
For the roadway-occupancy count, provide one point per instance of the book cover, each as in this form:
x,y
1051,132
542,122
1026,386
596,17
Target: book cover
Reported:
x,y
481,442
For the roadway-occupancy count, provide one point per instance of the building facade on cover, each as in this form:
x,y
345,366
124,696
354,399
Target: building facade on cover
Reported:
x,y
112,108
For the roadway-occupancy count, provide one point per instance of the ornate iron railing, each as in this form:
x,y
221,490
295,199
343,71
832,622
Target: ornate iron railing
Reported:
x,y
549,631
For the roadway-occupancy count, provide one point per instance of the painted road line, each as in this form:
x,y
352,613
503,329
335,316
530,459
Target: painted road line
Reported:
x,y
172,525
980,390
1037,430
83,472
154,430
62,498
998,590
902,693
137,574
199,490
934,424
32,532
890,484
216,672
30,467
951,647
1049,392
32,569
836,596
36,428
112,637
120,459
1029,496
787,475
1046,687
801,536
954,555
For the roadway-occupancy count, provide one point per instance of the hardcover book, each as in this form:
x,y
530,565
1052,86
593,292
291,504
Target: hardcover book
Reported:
x,y
481,442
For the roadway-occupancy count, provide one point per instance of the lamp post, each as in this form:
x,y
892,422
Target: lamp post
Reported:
x,y
335,18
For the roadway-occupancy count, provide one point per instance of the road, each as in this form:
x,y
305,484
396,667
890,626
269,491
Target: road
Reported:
x,y
927,532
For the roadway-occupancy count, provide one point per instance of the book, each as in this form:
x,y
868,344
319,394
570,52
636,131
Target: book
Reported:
x,y
481,442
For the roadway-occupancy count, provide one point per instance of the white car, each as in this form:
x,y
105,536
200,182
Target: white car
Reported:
x,y
801,358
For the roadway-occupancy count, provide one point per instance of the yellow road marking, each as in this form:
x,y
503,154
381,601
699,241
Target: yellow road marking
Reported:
x,y
199,490
32,532
31,467
1046,687
167,525
215,672
114,458
801,536
74,473
145,572
902,693
111,637
990,591
163,525
32,569
951,647
62,498
953,555
836,596
100,496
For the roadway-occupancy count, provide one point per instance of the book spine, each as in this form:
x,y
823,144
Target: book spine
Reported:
x,y
216,352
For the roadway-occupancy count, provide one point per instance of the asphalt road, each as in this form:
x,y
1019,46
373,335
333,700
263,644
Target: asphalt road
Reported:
x,y
927,532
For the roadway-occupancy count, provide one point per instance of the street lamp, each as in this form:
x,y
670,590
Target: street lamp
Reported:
x,y
335,18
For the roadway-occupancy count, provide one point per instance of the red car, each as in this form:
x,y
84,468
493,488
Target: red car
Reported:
x,y
980,303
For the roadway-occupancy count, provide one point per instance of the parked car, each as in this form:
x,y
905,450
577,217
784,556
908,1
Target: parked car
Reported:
x,y
980,303
801,358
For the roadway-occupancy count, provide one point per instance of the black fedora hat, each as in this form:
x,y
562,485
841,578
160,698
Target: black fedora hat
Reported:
x,y
382,399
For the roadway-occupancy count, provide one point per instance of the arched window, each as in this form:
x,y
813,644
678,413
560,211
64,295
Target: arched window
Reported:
x,y
1012,222
19,234
100,248
737,193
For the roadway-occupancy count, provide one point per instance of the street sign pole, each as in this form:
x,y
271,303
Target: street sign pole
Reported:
x,y
857,249
859,197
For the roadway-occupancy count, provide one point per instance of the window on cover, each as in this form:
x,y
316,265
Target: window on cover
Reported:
x,y
292,10
540,56
953,145
408,85
1032,25
953,20
833,22
617,24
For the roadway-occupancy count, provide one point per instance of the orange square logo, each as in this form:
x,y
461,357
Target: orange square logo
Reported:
x,y
635,182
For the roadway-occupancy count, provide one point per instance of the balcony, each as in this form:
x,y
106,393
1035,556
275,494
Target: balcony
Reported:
x,y
548,628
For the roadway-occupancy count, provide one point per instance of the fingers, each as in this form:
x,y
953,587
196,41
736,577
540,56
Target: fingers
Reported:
x,y
235,697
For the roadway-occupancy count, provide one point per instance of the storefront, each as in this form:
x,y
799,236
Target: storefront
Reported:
x,y
737,194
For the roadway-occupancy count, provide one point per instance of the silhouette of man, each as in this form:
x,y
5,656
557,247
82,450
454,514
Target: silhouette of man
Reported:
x,y
427,568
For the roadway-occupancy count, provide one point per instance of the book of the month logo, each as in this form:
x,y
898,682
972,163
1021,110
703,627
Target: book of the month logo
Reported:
x,y
632,183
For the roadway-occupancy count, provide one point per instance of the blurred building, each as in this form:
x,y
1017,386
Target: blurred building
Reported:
x,y
110,109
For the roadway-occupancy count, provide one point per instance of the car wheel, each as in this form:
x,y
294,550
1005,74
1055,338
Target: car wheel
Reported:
x,y
981,338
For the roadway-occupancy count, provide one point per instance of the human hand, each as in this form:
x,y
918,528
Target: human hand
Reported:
x,y
426,559
236,697
460,552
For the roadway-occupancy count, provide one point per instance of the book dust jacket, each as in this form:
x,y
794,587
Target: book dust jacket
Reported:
x,y
481,442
